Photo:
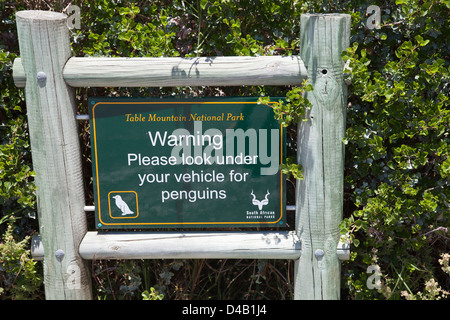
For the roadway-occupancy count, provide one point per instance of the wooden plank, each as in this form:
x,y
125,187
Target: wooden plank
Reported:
x,y
19,76
321,152
176,72
45,47
343,249
190,245
37,248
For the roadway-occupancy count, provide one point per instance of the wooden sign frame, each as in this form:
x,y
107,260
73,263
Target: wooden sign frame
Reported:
x,y
48,73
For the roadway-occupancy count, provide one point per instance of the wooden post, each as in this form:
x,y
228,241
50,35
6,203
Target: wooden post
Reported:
x,y
45,47
321,152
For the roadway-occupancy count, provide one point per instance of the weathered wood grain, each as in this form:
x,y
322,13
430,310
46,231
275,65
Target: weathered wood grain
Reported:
x,y
321,152
176,72
190,245
287,250
45,48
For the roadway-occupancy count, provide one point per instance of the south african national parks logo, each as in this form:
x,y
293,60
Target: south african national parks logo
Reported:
x,y
260,214
260,203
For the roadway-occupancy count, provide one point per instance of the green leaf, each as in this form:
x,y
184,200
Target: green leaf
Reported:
x,y
420,41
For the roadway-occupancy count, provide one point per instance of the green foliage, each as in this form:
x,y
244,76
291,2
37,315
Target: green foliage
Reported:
x,y
292,109
193,279
127,30
19,274
289,111
16,175
397,148
152,295
16,187
432,289
291,167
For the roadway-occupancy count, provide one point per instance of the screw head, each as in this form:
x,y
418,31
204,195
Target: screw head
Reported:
x,y
59,254
41,76
319,253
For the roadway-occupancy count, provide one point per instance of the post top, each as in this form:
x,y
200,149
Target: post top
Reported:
x,y
41,15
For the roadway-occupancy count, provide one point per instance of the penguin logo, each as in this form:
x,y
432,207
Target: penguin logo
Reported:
x,y
122,205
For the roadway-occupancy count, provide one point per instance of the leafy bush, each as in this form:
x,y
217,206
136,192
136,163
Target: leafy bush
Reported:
x,y
397,149
152,295
19,274
16,176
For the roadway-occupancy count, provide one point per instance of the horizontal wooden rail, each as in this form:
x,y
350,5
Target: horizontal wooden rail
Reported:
x,y
177,72
184,245
190,245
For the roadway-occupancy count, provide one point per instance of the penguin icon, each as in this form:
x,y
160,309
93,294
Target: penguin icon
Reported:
x,y
122,205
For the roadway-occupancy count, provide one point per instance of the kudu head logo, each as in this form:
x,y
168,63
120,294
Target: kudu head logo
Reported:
x,y
260,203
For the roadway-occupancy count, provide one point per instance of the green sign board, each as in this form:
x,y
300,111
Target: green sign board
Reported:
x,y
186,163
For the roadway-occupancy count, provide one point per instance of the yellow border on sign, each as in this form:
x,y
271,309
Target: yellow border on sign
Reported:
x,y
183,223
